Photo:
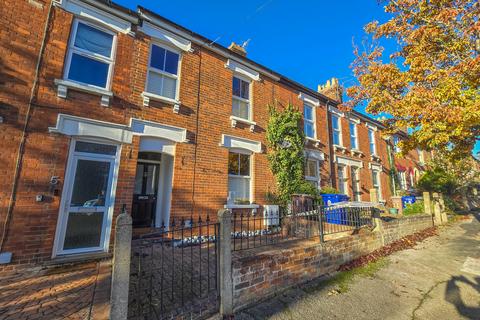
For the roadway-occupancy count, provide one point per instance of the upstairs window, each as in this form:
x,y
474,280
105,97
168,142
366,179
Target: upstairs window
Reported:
x,y
371,139
353,136
312,173
241,98
162,79
309,121
239,178
337,134
90,55
421,157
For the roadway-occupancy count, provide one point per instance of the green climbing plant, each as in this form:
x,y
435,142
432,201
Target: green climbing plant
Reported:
x,y
285,140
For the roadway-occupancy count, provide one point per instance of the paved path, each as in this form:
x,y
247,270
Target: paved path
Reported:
x,y
71,292
438,279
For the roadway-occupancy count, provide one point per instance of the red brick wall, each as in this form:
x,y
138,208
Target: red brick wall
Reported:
x,y
264,272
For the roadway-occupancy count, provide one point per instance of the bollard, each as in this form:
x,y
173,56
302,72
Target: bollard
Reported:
x,y
121,266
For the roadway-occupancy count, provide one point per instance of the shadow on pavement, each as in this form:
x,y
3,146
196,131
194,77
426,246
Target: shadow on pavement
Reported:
x,y
453,295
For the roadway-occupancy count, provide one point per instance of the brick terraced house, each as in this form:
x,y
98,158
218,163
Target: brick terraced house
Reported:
x,y
102,107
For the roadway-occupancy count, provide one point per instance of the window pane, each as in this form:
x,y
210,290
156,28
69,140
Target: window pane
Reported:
x,y
236,87
84,230
244,164
240,109
245,89
335,122
352,129
157,59
375,178
308,129
311,168
171,62
155,82
169,87
239,188
336,138
97,148
90,184
90,71
233,164
93,40
353,142
307,112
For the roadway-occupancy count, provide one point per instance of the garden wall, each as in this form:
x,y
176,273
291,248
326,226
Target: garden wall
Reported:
x,y
260,273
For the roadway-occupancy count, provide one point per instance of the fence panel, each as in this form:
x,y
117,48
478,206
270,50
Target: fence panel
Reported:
x,y
252,229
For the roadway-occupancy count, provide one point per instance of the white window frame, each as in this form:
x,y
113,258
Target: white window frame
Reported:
x,y
403,179
248,101
317,178
354,135
396,140
67,190
94,56
250,185
339,130
163,73
421,156
313,121
372,142
342,182
356,187
379,183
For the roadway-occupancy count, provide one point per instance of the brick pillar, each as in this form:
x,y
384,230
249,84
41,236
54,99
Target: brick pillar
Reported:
x,y
427,203
374,195
226,283
121,267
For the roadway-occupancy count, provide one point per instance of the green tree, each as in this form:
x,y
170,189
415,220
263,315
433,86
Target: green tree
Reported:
x,y
431,83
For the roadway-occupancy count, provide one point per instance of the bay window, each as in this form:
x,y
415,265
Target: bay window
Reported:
x,y
342,179
239,177
312,172
376,182
162,74
241,98
355,174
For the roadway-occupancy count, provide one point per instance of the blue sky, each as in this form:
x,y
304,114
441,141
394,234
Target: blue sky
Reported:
x,y
308,41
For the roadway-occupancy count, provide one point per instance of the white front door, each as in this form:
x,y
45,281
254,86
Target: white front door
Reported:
x,y
88,197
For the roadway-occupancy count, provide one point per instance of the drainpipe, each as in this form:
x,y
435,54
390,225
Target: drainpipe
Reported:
x,y
392,168
330,146
5,257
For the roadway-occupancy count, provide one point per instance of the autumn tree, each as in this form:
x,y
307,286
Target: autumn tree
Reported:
x,y
431,83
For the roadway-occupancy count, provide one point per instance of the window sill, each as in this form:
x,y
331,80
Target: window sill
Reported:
x,y
235,119
64,85
79,257
241,206
356,151
316,142
147,96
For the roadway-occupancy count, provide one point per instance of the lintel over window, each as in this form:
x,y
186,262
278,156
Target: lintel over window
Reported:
x,y
243,70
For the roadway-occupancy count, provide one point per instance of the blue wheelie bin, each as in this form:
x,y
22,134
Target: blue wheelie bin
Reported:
x,y
408,200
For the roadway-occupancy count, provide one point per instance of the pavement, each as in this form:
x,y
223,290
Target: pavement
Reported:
x,y
437,279
69,292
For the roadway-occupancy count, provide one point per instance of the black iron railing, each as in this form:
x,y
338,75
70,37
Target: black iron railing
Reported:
x,y
255,229
174,271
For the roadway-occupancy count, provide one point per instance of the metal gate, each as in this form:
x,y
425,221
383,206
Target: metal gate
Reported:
x,y
174,271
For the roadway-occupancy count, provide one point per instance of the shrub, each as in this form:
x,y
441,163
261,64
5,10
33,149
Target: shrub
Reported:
x,y
414,208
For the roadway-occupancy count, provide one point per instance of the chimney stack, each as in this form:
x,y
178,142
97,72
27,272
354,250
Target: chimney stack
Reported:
x,y
237,49
332,89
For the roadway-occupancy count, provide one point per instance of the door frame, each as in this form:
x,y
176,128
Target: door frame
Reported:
x,y
70,171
